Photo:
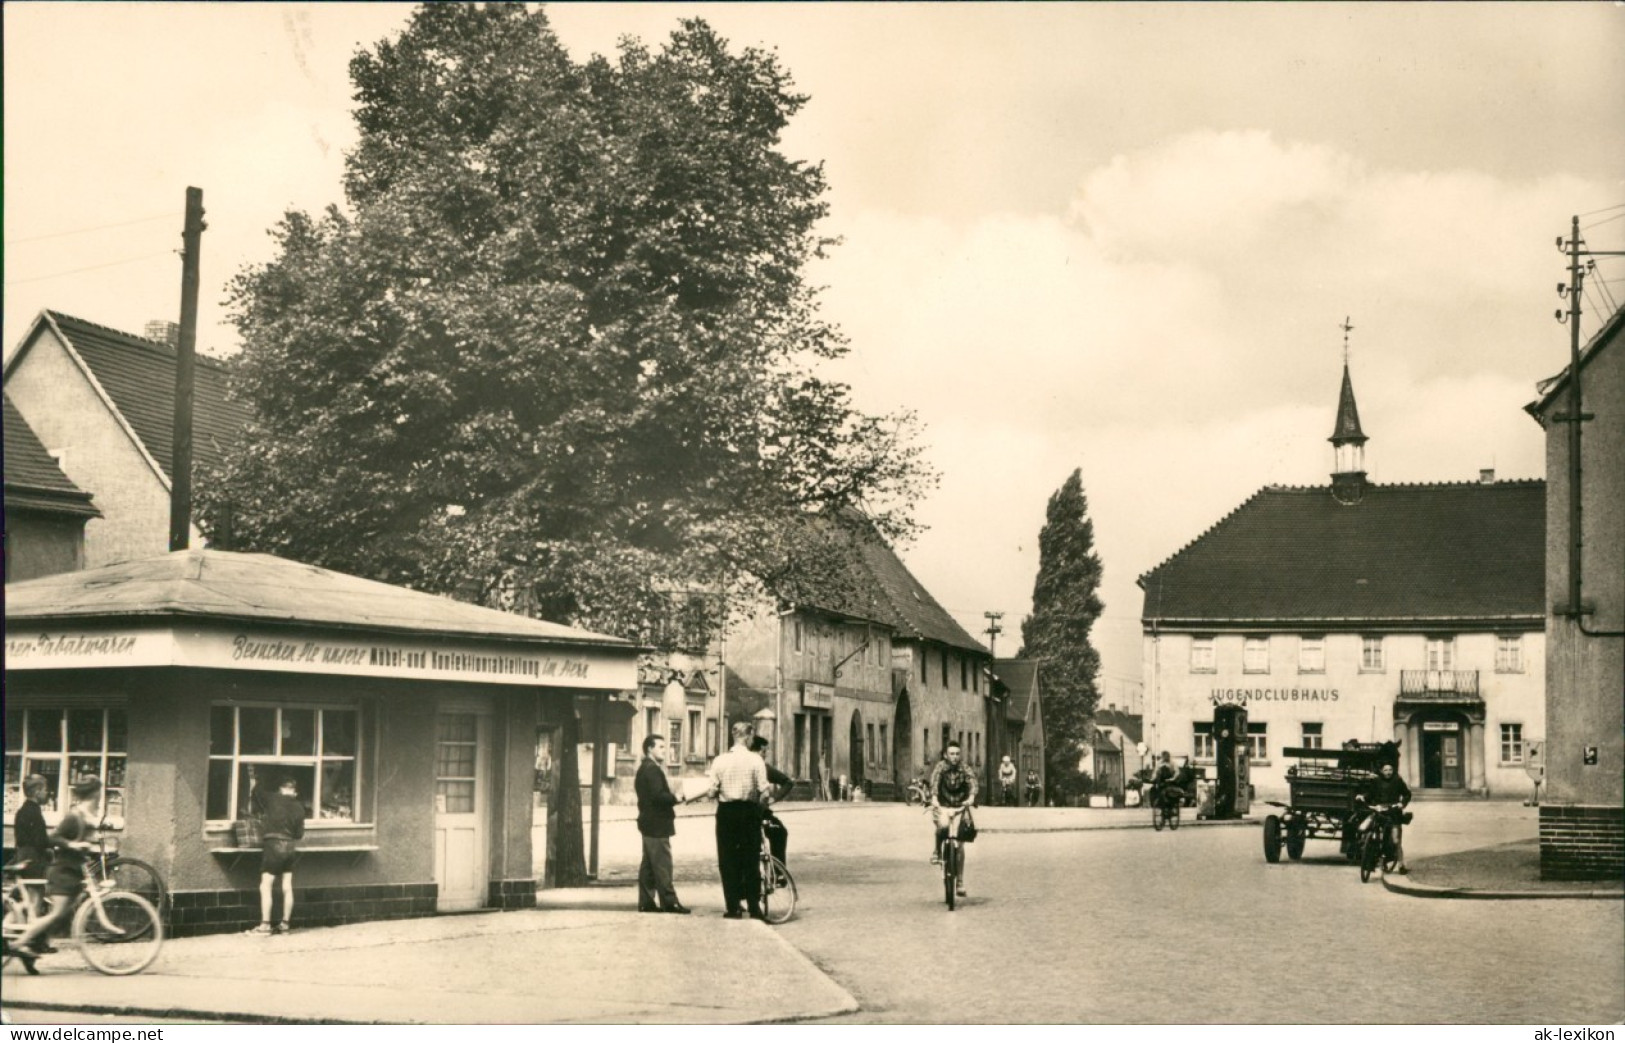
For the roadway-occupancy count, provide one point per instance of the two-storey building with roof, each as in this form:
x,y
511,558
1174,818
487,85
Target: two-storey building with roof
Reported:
x,y
1411,613
45,512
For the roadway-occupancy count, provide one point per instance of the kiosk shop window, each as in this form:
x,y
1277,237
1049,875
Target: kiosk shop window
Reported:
x,y
1512,744
64,745
318,747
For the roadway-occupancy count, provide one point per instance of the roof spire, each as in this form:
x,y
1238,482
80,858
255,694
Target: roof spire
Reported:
x,y
1348,441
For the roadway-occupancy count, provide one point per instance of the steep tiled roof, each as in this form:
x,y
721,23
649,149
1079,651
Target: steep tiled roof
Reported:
x,y
1130,724
1020,679
914,612
32,477
215,584
1347,426
1462,551
139,376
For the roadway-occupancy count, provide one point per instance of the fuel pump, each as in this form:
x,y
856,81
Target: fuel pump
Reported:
x,y
1230,751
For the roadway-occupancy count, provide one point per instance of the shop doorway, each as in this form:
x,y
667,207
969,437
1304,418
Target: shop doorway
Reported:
x,y
854,745
1444,760
903,744
461,788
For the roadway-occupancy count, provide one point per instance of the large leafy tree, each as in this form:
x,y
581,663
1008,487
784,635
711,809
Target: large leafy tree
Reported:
x,y
1066,604
556,352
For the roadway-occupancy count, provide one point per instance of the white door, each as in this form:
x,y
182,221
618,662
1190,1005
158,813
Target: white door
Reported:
x,y
460,812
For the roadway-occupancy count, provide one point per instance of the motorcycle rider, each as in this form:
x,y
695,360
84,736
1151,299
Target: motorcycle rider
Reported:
x,y
1386,788
1007,781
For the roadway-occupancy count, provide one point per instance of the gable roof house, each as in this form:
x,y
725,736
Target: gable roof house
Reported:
x,y
1359,611
45,512
102,404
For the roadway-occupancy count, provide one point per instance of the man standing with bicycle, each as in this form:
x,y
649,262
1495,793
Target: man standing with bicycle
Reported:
x,y
739,780
65,879
953,791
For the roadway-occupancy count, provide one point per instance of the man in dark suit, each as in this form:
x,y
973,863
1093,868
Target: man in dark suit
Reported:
x,y
657,821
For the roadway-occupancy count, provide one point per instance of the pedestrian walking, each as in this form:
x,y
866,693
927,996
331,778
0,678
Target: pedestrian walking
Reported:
x,y
657,822
70,844
282,826
32,841
823,776
739,780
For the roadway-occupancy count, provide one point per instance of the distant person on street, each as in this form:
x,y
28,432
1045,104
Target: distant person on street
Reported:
x,y
1185,779
1007,781
1035,793
282,826
780,784
657,822
823,777
739,780
70,844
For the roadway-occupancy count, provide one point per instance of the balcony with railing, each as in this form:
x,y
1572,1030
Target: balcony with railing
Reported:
x,y
1438,684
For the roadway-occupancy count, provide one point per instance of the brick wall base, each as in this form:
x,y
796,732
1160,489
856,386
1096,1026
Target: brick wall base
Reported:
x,y
219,912
1582,842
512,894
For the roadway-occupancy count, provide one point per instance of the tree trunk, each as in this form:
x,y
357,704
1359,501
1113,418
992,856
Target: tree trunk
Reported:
x,y
566,864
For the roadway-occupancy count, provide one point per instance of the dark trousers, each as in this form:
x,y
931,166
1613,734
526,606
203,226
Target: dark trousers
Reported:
x,y
654,875
739,840
778,836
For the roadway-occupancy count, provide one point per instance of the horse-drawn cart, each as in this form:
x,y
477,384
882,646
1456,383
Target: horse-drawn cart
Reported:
x,y
1322,785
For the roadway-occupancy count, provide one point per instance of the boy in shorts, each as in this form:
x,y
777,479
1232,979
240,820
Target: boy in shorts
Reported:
x,y
65,879
282,824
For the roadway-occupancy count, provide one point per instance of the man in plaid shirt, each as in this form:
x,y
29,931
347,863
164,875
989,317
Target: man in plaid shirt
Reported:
x,y
739,780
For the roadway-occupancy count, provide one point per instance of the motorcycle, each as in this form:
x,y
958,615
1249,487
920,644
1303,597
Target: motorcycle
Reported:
x,y
1380,839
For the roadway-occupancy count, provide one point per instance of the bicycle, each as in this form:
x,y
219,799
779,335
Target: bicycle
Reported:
x,y
1380,839
107,867
953,858
778,894
1165,804
117,932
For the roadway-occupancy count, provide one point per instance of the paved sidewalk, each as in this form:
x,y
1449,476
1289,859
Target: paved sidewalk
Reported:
x,y
585,958
1503,871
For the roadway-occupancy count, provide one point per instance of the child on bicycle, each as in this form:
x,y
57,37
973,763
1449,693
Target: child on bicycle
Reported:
x,y
65,879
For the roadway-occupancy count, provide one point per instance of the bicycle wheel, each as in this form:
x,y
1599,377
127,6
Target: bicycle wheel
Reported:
x,y
1173,816
778,892
137,877
1156,815
1370,851
950,871
118,932
15,922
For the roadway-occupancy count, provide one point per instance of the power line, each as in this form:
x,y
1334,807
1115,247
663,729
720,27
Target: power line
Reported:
x,y
93,228
88,268
1604,221
1604,210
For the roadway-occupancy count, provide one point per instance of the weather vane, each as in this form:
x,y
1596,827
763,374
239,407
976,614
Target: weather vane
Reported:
x,y
1346,327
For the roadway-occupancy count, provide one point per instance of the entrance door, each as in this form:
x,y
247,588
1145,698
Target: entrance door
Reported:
x,y
1443,760
903,738
854,747
1450,747
461,754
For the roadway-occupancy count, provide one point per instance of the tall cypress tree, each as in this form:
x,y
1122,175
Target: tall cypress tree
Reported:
x,y
1065,606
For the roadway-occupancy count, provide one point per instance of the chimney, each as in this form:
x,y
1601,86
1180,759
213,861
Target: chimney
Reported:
x,y
1486,476
163,331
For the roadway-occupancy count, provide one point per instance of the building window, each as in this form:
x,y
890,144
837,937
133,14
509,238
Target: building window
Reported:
x,y
796,629
1255,656
923,677
456,758
1441,653
1314,736
651,721
318,747
1371,660
64,746
711,748
964,674
944,655
1202,741
694,733
1311,655
976,678
1202,660
1512,744
1509,653
884,752
1258,741
869,744
674,742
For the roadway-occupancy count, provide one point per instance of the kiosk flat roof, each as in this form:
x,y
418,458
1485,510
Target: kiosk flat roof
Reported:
x,y
214,584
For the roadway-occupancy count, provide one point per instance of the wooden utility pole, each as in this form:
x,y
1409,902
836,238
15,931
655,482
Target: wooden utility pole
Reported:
x,y
180,488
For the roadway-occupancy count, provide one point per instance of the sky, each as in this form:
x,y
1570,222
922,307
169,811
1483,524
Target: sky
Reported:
x,y
1119,238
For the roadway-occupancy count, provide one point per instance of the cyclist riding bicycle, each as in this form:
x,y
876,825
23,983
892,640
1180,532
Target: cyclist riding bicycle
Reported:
x,y
1007,781
65,879
1386,788
1164,779
953,791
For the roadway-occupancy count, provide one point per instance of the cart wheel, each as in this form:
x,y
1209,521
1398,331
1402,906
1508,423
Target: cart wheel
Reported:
x,y
1272,838
1296,834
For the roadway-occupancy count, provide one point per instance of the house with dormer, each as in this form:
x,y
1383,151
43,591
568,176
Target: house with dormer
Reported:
x,y
1358,611
45,512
